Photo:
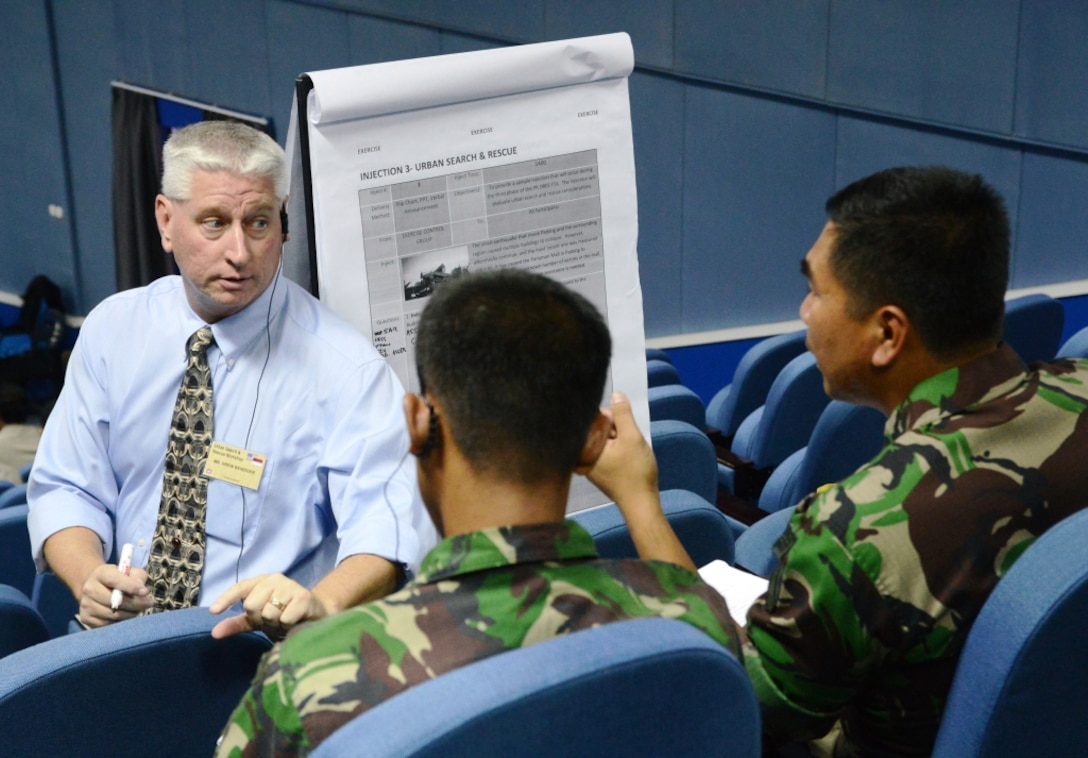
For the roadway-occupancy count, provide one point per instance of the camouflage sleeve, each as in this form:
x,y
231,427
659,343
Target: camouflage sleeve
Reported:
x,y
808,651
706,609
265,722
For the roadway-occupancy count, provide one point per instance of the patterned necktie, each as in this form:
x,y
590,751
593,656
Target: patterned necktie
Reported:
x,y
177,549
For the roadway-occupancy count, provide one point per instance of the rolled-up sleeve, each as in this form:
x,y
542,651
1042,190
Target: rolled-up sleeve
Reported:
x,y
72,482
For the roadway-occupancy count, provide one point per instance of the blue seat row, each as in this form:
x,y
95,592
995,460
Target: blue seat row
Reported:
x,y
1076,346
1019,683
48,595
155,685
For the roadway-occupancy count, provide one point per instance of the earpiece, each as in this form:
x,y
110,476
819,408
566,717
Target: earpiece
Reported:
x,y
432,440
283,220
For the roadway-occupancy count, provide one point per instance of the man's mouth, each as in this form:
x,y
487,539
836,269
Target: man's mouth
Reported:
x,y
233,283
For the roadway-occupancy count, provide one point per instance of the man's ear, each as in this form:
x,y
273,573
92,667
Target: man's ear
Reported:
x,y
417,417
893,326
599,432
164,211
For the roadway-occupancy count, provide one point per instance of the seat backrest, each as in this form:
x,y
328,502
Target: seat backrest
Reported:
x,y
154,685
1019,688
702,529
55,602
597,692
20,624
845,437
16,563
661,373
752,380
1076,346
794,403
658,354
675,401
686,458
1033,326
754,549
14,495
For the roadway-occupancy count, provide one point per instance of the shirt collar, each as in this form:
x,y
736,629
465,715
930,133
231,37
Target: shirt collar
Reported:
x,y
956,390
236,332
506,546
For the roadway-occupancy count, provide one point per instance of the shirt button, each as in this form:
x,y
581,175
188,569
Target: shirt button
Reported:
x,y
140,542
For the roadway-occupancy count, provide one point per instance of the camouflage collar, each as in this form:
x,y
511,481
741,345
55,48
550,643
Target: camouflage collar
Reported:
x,y
505,546
957,389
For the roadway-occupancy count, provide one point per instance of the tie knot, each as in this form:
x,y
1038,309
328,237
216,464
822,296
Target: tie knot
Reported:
x,y
200,340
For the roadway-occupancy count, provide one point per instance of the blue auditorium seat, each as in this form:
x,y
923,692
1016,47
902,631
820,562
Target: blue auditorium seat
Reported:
x,y
154,685
1019,688
702,529
636,688
685,458
16,564
20,624
752,380
845,437
675,401
779,427
754,548
14,495
55,602
661,373
1076,346
657,354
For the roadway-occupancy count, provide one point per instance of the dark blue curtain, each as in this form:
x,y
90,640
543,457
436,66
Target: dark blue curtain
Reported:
x,y
137,172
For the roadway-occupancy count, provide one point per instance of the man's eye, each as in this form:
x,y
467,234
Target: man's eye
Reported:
x,y
213,223
259,223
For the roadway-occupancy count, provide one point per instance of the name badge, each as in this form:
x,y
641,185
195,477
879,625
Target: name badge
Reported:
x,y
234,465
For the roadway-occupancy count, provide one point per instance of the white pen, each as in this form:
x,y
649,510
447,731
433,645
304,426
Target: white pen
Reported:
x,y
123,565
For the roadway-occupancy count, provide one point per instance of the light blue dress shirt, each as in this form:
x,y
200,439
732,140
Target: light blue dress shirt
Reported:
x,y
291,381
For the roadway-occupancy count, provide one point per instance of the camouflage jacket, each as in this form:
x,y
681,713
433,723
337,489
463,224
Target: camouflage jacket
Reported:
x,y
881,576
476,595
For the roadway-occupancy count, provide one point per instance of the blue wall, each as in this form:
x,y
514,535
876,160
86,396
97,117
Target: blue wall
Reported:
x,y
745,116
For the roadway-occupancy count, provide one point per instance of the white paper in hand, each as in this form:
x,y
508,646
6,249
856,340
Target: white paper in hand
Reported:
x,y
739,588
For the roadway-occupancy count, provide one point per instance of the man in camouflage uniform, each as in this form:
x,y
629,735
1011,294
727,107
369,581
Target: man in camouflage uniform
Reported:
x,y
512,367
881,576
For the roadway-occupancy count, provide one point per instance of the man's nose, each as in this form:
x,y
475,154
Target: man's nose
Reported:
x,y
237,252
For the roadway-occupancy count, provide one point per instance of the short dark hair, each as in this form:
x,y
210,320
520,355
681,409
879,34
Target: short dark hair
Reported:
x,y
931,240
518,362
13,403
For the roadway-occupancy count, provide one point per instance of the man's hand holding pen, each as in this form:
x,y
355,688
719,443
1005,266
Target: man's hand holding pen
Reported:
x,y
113,593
